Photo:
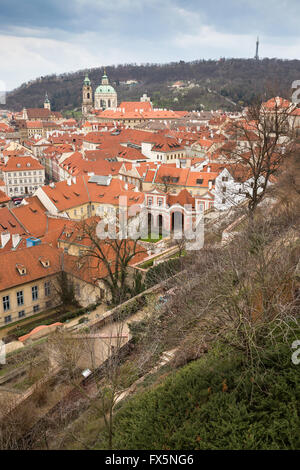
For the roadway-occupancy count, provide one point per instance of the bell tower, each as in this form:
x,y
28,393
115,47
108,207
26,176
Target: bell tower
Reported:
x,y
47,104
87,96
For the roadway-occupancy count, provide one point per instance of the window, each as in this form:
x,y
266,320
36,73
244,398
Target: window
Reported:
x,y
48,303
224,189
6,303
150,200
223,200
160,201
35,294
224,178
7,319
36,308
21,314
20,297
47,288
199,180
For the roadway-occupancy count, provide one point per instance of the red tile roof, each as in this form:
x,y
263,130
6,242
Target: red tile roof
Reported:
x,y
30,259
21,164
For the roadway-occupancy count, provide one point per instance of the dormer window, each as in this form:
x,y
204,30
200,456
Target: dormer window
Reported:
x,y
45,262
22,269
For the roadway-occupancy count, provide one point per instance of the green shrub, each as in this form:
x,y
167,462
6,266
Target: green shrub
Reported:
x,y
216,402
130,308
162,271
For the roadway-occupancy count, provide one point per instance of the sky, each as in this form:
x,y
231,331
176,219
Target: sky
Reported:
x,y
42,37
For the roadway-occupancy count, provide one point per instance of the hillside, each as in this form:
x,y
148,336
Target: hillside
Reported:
x,y
209,84
230,324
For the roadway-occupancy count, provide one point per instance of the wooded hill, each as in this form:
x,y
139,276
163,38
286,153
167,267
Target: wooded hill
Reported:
x,y
208,84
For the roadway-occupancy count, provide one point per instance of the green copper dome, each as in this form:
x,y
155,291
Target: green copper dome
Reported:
x,y
105,89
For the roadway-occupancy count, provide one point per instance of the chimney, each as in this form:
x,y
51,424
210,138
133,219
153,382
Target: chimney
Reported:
x,y
69,181
126,186
210,184
208,169
15,239
5,236
74,179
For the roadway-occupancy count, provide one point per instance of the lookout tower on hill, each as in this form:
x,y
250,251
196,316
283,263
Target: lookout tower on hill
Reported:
x,y
256,57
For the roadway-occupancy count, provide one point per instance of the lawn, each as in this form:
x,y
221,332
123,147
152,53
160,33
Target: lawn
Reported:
x,y
154,239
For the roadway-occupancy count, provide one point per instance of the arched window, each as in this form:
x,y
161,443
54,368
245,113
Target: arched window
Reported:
x,y
88,96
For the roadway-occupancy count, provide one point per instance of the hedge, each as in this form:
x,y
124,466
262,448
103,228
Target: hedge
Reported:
x,y
162,271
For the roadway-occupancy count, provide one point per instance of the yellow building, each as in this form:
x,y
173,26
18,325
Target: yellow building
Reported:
x,y
28,278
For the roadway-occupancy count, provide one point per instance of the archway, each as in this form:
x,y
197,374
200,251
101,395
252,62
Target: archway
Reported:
x,y
177,221
150,224
160,225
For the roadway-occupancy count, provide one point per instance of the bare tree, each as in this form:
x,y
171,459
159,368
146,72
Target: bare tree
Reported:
x,y
109,260
167,181
264,142
100,354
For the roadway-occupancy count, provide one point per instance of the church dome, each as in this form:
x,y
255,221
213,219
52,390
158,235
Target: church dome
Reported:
x,y
105,89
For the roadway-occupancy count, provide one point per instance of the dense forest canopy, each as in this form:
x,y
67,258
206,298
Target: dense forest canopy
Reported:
x,y
208,84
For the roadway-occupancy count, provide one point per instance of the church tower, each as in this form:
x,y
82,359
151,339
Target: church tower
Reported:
x,y
47,104
87,96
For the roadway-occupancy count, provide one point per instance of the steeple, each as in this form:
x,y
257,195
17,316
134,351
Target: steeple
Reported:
x,y
87,81
87,96
104,80
47,104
